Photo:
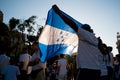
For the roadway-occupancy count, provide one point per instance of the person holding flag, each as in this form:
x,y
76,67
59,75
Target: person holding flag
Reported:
x,y
56,37
88,51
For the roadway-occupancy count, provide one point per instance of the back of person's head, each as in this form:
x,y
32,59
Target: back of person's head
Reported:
x,y
117,56
12,60
110,48
103,48
62,55
35,43
87,27
25,49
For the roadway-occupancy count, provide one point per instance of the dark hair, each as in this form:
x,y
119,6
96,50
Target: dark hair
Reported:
x,y
35,43
103,48
61,55
110,48
12,60
87,27
24,49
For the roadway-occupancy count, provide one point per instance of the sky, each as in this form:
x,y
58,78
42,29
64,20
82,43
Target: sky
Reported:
x,y
102,15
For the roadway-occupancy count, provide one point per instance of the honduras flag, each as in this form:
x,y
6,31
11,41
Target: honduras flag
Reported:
x,y
57,37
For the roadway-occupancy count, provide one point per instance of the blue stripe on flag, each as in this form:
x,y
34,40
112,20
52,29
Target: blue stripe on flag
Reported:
x,y
56,21
57,37
54,50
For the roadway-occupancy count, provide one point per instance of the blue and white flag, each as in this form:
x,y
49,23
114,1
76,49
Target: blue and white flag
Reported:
x,y
57,37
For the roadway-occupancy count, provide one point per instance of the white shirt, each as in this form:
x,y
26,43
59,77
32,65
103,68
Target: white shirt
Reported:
x,y
88,52
62,63
103,65
110,63
40,64
25,59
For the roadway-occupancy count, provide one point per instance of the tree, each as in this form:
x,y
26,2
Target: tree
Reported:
x,y
29,23
4,37
26,26
18,27
4,30
13,22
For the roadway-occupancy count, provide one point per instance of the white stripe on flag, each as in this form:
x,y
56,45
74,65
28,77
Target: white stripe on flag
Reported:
x,y
52,35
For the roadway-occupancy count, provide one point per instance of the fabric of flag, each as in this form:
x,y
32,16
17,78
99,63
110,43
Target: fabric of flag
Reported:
x,y
57,37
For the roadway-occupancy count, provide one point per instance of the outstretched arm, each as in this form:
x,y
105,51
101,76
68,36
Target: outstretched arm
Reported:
x,y
68,21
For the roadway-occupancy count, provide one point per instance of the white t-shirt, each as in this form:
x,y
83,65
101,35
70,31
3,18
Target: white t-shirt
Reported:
x,y
62,64
40,64
11,72
25,59
88,52
110,63
103,65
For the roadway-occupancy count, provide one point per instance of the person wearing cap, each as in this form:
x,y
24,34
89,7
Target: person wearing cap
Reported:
x,y
88,52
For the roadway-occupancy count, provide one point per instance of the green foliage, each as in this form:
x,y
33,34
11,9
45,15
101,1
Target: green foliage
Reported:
x,y
13,22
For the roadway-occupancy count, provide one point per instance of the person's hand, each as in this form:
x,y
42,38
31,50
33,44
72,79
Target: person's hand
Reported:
x,y
56,9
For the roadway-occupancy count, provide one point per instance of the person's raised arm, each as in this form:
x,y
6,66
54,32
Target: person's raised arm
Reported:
x,y
68,21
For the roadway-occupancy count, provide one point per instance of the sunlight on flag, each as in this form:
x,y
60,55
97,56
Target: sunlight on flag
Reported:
x,y
57,37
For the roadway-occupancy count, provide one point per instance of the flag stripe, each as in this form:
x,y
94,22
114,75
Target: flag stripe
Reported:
x,y
67,37
52,50
56,21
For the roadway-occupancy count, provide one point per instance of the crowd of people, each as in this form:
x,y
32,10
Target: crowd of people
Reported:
x,y
29,66
25,68
94,60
